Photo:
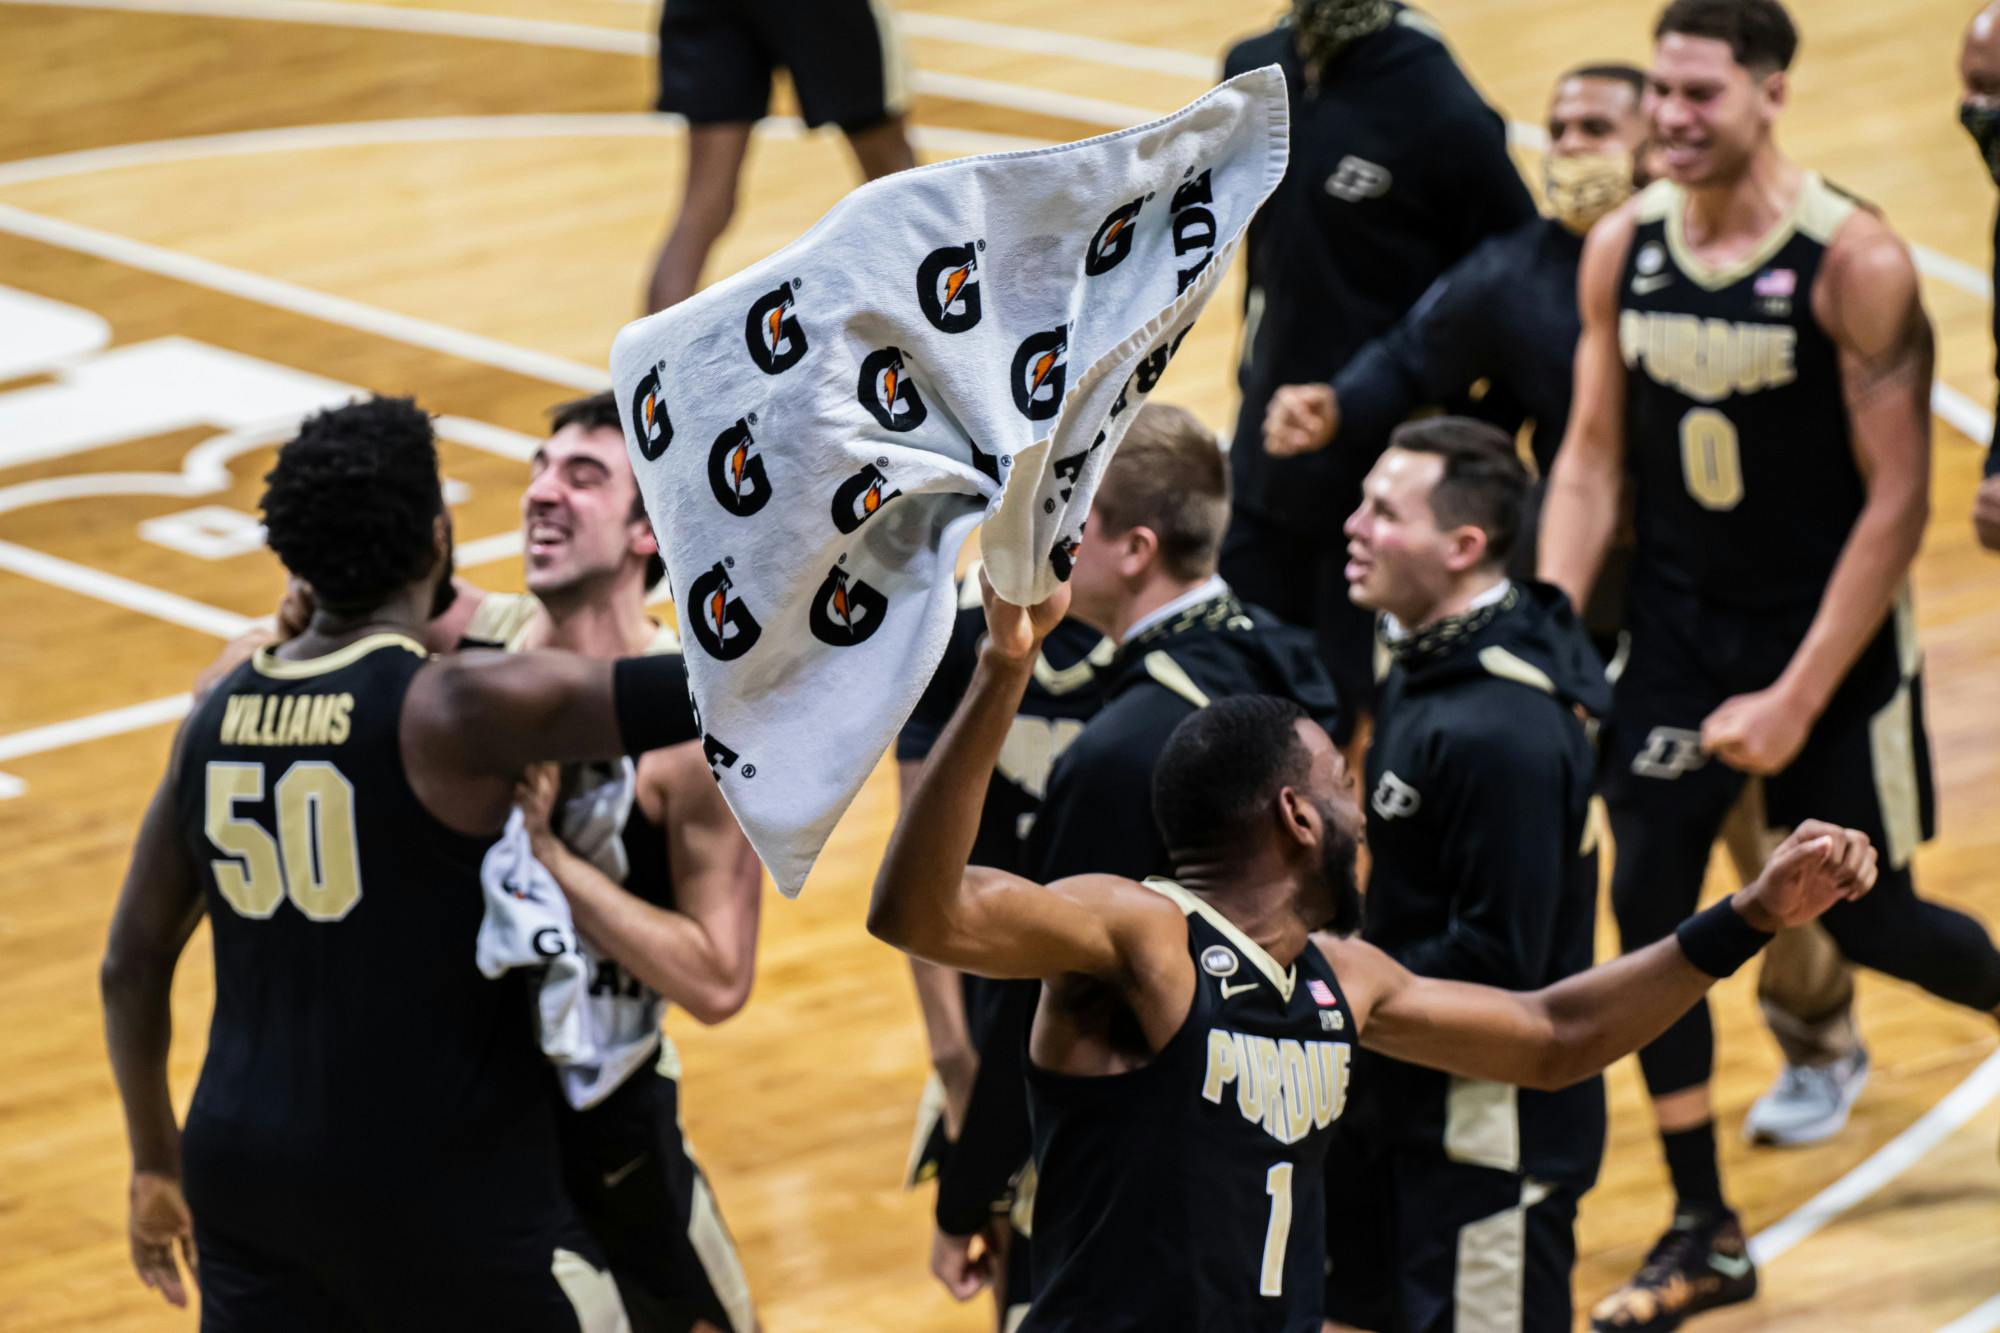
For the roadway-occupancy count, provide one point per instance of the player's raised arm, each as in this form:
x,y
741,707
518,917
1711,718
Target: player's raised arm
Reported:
x,y
1552,1037
928,902
1580,515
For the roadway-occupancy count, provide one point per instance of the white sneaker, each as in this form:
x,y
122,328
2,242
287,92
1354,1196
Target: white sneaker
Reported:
x,y
1806,1104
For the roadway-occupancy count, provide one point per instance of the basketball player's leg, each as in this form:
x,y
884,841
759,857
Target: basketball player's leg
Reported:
x,y
646,1201
1667,801
715,71
1868,761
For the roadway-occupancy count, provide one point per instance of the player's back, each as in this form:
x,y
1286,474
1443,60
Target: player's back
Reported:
x,y
353,1038
1746,481
1189,1193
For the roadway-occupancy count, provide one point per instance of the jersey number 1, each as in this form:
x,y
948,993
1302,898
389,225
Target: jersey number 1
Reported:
x,y
314,859
1711,461
1277,1184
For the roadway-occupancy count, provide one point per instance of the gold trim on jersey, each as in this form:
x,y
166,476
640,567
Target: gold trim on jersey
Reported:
x,y
1506,665
503,618
1077,674
281,668
1816,214
1192,905
1169,674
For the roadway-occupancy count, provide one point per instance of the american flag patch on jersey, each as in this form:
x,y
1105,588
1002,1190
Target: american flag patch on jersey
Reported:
x,y
1321,992
1776,282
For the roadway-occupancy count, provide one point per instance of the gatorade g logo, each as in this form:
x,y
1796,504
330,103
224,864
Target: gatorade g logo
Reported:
x,y
775,339
846,612
987,464
720,757
890,395
650,426
1194,227
722,625
1040,370
948,288
1063,557
735,474
1113,240
857,499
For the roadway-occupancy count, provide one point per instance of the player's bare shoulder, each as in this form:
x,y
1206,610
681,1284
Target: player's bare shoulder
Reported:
x,y
1868,288
1604,251
1365,973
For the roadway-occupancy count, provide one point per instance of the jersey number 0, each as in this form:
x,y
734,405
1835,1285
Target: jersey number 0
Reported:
x,y
314,860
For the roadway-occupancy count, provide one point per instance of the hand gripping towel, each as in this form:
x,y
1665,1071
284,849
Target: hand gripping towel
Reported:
x,y
960,344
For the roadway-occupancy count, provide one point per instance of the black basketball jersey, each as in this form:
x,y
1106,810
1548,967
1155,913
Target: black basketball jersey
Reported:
x,y
1187,1194
1737,434
354,1040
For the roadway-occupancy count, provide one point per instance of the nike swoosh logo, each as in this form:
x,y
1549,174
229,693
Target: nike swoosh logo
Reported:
x,y
612,1178
1729,1267
1642,286
1229,990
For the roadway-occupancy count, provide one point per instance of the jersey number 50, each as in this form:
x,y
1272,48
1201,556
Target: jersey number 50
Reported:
x,y
1711,462
314,860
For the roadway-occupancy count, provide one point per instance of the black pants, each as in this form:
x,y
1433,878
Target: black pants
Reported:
x,y
1866,765
1417,1243
716,58
627,1166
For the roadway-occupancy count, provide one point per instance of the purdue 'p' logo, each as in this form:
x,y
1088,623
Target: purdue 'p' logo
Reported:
x,y
722,625
772,331
857,498
948,287
1668,753
888,393
1395,798
736,473
651,429
1041,371
846,611
1113,240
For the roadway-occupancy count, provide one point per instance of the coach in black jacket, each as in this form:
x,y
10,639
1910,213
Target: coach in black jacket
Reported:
x,y
1485,869
1398,168
1145,577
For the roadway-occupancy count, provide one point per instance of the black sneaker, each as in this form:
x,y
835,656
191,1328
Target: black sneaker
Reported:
x,y
1701,1263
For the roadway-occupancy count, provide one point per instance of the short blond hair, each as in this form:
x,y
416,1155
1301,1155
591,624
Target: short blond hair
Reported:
x,y
1169,475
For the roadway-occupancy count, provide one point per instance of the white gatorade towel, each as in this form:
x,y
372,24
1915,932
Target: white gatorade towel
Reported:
x,y
960,344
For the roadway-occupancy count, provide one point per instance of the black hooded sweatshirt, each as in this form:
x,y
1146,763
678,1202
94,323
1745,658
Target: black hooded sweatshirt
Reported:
x,y
1485,861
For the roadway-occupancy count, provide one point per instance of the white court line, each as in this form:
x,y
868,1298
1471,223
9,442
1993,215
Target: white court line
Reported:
x,y
385,18
79,730
155,602
1041,41
1982,1319
1961,413
1893,1158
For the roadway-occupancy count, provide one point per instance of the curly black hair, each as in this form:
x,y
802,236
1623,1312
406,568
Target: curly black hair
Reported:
x,y
350,503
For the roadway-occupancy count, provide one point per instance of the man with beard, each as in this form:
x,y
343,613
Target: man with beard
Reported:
x,y
1145,579
1397,170
371,1143
1484,845
1193,1039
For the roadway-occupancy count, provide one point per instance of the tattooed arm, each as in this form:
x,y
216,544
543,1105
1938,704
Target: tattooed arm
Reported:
x,y
1867,301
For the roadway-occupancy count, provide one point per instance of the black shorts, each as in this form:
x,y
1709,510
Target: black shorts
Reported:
x,y
648,1205
1866,763
428,1249
716,58
1422,1244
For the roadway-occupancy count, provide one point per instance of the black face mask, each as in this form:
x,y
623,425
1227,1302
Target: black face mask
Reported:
x,y
1983,124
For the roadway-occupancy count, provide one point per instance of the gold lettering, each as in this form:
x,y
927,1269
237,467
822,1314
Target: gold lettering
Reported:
x,y
1271,1066
1708,359
316,721
1298,1093
1249,1077
267,724
295,730
232,717
337,721
1221,1064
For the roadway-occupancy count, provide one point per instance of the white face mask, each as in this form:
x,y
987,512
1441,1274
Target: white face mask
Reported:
x,y
1582,189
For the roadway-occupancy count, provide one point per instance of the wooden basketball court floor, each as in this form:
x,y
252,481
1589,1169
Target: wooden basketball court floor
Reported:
x,y
216,214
